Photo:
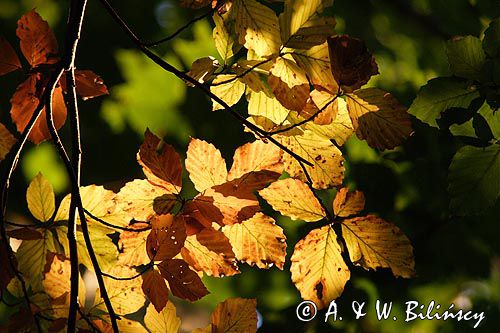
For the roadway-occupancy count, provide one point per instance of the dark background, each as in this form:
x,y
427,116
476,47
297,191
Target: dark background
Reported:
x,y
457,259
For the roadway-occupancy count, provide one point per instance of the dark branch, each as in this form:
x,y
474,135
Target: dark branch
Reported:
x,y
128,278
114,226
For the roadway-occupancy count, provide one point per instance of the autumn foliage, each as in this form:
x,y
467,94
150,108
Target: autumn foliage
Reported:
x,y
303,89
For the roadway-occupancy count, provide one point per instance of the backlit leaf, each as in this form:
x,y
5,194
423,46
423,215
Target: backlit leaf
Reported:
x,y
38,43
440,94
474,179
328,163
466,57
9,61
289,84
155,289
302,27
373,242
258,241
352,65
161,163
7,140
166,238
225,41
348,203
293,198
229,92
379,118
265,104
202,70
41,198
88,84
205,165
132,246
165,321
318,269
257,27
255,156
183,282
235,315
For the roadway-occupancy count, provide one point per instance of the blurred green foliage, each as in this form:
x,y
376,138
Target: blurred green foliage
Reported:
x,y
457,259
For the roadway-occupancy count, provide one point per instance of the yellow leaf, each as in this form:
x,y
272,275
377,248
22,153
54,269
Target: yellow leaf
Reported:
x,y
339,130
379,118
165,321
210,252
316,63
32,257
289,83
7,140
225,43
301,27
235,315
41,199
258,241
141,200
229,92
126,296
255,156
318,269
133,247
328,163
266,105
205,165
373,242
257,27
348,203
293,198
202,70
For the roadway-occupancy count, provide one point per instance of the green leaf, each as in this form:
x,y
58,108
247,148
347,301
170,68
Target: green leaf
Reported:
x,y
466,57
492,118
474,179
439,95
491,41
41,199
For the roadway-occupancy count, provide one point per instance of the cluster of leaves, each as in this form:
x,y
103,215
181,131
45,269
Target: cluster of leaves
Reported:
x,y
39,47
303,87
469,101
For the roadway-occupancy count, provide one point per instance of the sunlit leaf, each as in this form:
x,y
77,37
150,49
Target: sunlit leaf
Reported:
x,y
166,238
235,315
165,321
183,282
41,199
155,289
255,156
258,241
318,269
265,104
205,165
9,61
229,92
202,70
225,41
293,198
348,203
379,118
132,245
375,243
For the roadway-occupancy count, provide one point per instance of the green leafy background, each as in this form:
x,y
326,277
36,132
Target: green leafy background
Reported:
x,y
457,258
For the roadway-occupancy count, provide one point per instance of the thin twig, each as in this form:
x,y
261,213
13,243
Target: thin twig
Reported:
x,y
242,74
87,320
133,277
98,219
169,68
181,29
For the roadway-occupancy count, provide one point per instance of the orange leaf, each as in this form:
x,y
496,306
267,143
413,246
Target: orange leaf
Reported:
x,y
155,289
160,163
352,64
7,140
255,156
132,246
88,84
166,238
24,103
348,203
235,315
38,43
9,61
183,282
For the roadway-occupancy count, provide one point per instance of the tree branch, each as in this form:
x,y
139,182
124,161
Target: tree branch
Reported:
x,y
98,219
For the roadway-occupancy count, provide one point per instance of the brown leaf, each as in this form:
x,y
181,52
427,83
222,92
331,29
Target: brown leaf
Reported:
x,y
24,233
289,84
200,213
348,203
324,101
167,237
155,289
202,70
352,64
7,140
183,282
38,43
6,272
379,118
9,61
235,315
24,103
197,4
88,84
160,163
